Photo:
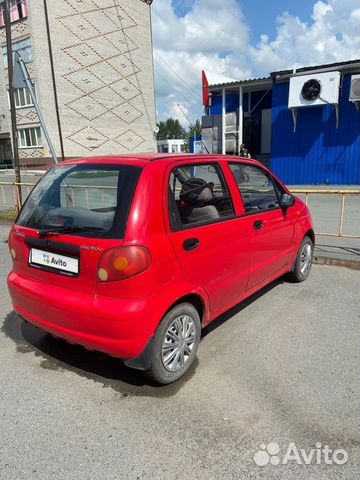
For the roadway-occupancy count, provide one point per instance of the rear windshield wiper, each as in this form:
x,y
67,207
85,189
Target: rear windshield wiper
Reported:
x,y
69,229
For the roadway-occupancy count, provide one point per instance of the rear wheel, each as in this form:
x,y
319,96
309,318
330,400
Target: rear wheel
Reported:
x,y
175,344
303,261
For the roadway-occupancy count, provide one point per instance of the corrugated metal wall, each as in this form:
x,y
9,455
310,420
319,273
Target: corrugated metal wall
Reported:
x,y
317,153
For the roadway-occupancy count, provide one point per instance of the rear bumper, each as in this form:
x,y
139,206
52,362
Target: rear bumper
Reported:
x,y
120,327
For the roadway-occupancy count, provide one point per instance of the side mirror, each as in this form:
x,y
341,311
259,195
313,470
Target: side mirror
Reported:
x,y
287,200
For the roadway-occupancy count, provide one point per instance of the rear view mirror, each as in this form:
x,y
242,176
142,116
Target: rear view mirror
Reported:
x,y
211,169
287,200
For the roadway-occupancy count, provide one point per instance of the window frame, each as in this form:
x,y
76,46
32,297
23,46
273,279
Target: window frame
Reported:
x,y
52,193
18,11
22,134
269,175
17,97
27,55
177,226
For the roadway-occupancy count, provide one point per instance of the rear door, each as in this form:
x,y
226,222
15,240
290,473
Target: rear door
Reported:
x,y
272,228
73,215
205,232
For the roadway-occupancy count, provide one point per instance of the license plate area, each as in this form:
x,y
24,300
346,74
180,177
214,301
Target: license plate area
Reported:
x,y
54,262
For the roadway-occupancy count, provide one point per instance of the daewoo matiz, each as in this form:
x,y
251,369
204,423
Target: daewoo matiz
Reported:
x,y
132,256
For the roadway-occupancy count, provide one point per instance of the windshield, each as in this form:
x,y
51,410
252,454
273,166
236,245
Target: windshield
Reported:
x,y
87,200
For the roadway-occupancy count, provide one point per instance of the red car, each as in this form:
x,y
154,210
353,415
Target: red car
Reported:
x,y
133,255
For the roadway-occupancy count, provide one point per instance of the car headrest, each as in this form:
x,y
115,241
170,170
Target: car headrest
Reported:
x,y
196,190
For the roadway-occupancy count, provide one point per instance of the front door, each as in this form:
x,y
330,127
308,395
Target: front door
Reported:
x,y
273,229
205,233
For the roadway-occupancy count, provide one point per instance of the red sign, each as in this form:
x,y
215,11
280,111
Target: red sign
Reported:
x,y
205,90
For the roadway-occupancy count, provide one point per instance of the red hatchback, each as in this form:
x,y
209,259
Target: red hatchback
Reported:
x,y
132,256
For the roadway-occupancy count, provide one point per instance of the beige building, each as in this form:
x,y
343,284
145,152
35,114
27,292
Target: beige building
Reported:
x,y
102,57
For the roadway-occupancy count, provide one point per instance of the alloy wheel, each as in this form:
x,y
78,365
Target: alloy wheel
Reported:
x,y
305,258
178,343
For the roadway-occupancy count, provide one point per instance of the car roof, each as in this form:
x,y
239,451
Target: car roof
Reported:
x,y
142,159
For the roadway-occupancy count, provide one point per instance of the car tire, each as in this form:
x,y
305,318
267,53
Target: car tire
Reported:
x,y
175,344
303,261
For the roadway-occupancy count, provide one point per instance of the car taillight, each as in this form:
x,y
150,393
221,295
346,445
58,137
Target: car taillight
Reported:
x,y
11,247
120,263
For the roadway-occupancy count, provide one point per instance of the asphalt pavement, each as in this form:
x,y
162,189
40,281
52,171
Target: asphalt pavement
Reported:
x,y
280,371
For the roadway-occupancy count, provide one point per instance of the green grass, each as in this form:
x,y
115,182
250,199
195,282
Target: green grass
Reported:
x,y
8,215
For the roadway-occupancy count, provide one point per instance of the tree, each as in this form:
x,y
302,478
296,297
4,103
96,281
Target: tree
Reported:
x,y
171,128
194,130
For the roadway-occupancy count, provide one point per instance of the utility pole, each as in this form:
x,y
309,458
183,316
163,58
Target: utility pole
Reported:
x,y
54,81
12,100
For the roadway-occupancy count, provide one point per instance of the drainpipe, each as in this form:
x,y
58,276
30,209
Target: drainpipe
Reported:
x,y
223,118
241,119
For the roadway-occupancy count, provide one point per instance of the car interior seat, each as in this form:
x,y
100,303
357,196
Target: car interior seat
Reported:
x,y
197,195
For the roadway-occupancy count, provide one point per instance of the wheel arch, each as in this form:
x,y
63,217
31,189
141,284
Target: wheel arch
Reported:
x,y
194,299
311,234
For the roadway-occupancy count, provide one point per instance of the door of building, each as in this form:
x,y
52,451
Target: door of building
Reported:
x,y
266,130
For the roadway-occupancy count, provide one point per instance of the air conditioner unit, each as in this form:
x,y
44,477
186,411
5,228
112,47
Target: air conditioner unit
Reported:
x,y
355,89
314,89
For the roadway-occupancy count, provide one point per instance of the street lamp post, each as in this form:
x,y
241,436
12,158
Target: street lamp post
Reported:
x,y
10,66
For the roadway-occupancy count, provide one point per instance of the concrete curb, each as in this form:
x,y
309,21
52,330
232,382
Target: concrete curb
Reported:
x,y
337,262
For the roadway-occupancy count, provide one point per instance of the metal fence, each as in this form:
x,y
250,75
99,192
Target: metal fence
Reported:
x,y
10,198
10,193
342,194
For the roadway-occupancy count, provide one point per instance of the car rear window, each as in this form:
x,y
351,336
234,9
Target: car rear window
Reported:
x,y
94,198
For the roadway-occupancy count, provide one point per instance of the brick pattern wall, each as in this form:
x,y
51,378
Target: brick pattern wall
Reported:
x,y
25,117
104,74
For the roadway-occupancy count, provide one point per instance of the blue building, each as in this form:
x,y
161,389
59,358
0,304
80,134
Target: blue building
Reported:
x,y
304,123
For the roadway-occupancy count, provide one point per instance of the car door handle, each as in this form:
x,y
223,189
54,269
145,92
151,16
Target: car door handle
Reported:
x,y
258,224
191,243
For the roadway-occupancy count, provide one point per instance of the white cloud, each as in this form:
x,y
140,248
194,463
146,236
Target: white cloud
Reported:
x,y
320,9
210,27
334,35
214,36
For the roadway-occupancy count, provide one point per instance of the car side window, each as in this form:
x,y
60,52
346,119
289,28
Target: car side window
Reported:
x,y
198,195
256,188
278,188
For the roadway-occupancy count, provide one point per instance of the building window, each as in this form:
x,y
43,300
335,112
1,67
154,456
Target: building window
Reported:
x,y
18,10
23,48
22,98
30,137
174,149
182,148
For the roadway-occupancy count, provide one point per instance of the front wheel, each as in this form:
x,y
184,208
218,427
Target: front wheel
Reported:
x,y
303,261
175,344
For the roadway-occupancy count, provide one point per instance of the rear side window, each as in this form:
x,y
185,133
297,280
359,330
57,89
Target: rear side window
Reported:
x,y
198,195
96,198
256,188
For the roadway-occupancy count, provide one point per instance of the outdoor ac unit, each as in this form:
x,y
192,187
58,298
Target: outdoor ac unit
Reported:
x,y
355,89
314,89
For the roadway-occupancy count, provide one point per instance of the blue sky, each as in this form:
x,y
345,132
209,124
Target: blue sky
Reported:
x,y
242,39
270,10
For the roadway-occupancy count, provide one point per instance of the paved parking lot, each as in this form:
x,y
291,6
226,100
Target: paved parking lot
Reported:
x,y
282,367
